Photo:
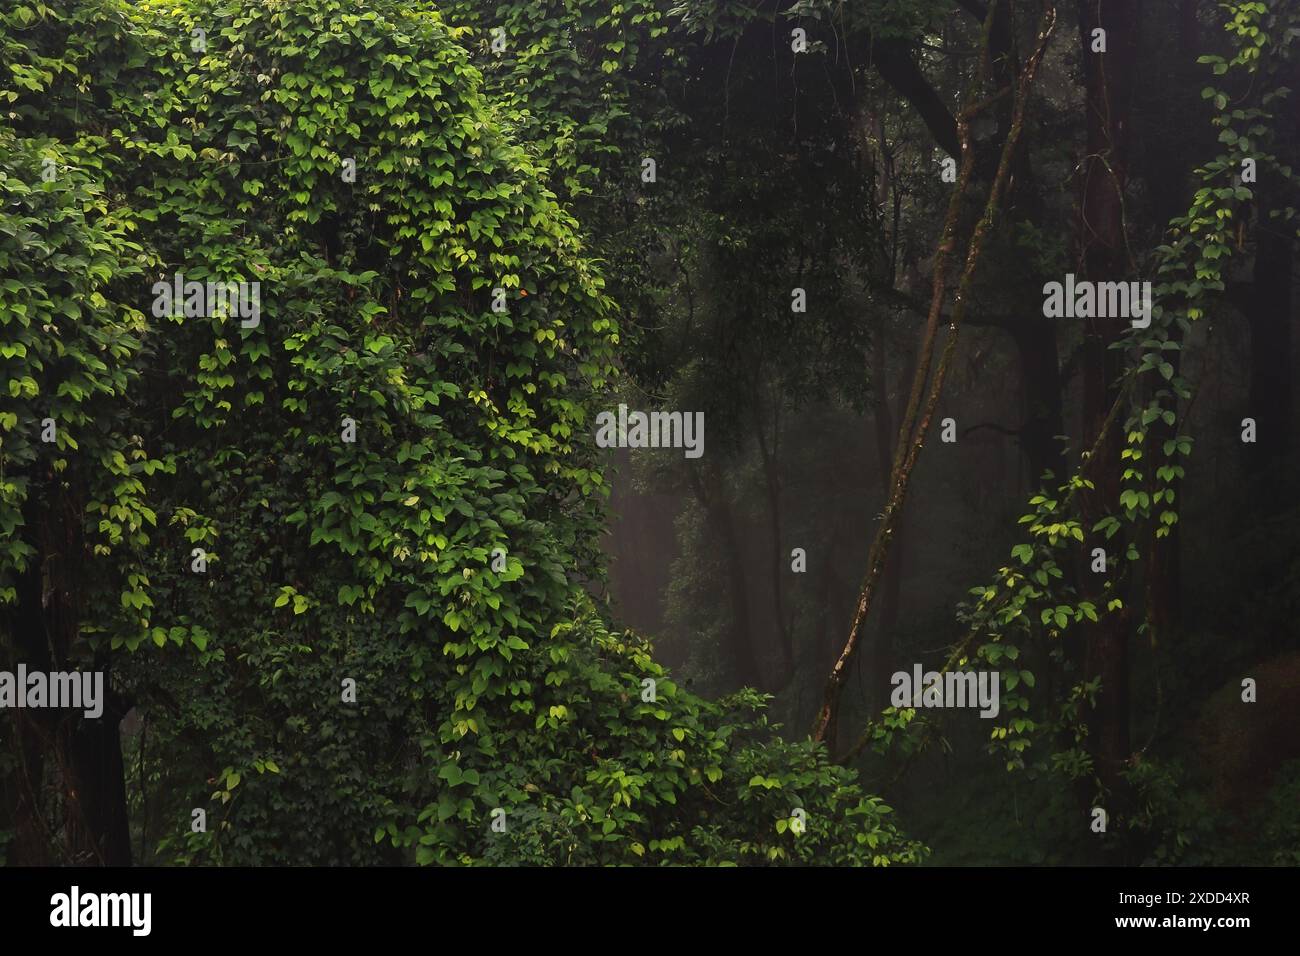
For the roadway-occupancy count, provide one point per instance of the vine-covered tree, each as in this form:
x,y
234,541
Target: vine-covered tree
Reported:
x,y
307,310
331,553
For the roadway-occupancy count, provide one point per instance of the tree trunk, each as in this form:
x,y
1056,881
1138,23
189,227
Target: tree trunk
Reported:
x,y
30,728
926,391
84,755
1102,251
96,787
891,584
739,632
1040,372
1270,345
777,564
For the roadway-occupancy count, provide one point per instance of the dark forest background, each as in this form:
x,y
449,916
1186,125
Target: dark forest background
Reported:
x,y
828,227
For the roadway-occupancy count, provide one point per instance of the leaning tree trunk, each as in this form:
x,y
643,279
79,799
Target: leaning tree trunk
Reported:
x,y
891,595
925,392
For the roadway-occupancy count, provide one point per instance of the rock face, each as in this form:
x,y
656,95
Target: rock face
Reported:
x,y
1241,744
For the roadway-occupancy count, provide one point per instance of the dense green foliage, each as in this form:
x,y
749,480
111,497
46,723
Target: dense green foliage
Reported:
x,y
344,561
210,139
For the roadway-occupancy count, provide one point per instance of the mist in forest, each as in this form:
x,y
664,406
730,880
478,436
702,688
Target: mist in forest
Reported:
x,y
661,433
